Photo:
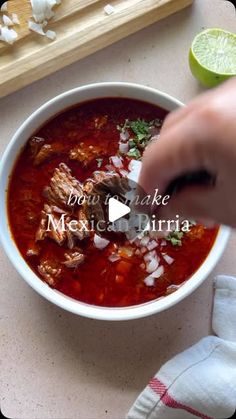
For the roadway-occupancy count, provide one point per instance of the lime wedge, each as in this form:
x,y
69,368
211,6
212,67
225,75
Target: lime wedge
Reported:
x,y
212,56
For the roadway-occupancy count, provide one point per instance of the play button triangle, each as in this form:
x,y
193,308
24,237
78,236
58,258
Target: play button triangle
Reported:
x,y
116,209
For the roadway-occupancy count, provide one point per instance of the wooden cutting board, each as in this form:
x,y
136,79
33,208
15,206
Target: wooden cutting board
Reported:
x,y
82,28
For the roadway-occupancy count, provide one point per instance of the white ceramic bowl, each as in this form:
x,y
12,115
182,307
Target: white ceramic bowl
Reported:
x,y
37,119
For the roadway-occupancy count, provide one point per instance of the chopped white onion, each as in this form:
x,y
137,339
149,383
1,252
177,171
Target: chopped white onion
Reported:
x,y
117,161
8,35
7,21
152,245
123,148
109,9
100,242
133,177
163,243
51,35
152,265
42,12
150,255
39,9
159,272
144,241
135,165
149,281
15,19
124,136
123,172
36,27
42,9
167,258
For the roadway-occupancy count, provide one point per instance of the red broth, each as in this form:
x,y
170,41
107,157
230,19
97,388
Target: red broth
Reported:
x,y
97,280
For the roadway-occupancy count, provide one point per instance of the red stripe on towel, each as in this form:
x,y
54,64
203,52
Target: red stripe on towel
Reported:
x,y
158,387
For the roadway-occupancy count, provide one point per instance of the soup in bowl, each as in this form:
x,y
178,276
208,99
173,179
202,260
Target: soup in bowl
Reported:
x,y
87,144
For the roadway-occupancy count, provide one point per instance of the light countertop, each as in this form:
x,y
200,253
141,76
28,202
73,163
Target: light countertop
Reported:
x,y
57,365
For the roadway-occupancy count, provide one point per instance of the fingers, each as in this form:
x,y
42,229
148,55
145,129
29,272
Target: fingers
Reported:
x,y
178,115
181,114
198,137
175,117
179,150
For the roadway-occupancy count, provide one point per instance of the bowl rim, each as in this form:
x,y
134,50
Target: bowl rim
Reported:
x,y
54,296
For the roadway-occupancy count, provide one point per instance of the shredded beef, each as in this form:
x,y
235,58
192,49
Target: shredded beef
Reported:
x,y
35,144
62,233
50,271
73,259
61,186
86,153
81,230
40,151
58,234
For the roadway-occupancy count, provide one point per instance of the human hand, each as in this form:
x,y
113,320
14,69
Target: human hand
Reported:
x,y
201,136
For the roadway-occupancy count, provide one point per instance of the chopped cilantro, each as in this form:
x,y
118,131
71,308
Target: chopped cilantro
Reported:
x,y
141,129
140,132
134,152
175,242
99,162
175,237
131,143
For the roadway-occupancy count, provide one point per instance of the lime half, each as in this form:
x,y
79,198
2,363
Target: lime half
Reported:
x,y
212,56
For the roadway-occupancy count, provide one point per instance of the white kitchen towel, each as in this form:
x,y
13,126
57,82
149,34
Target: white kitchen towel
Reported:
x,y
201,381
